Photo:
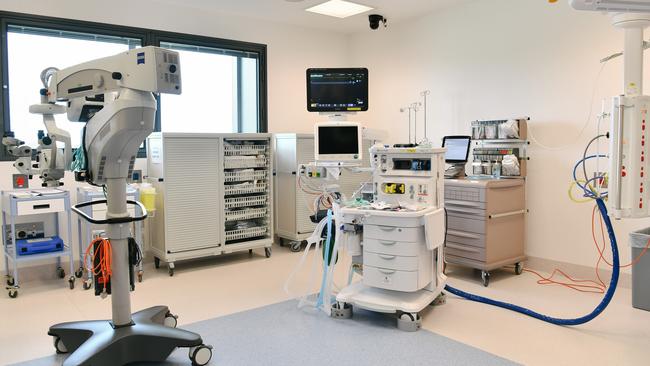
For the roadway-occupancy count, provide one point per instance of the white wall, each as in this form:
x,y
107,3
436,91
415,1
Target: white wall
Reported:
x,y
496,59
290,50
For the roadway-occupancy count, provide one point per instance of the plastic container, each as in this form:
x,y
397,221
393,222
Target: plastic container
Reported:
x,y
641,270
148,197
496,169
491,129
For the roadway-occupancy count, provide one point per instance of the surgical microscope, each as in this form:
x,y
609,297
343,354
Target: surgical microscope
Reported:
x,y
115,97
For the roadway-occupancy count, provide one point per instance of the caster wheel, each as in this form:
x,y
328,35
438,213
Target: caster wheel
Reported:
x,y
140,275
341,310
485,277
171,272
267,252
13,293
250,251
87,285
409,322
200,355
171,320
59,346
519,268
60,272
296,246
281,242
71,282
10,281
79,273
156,262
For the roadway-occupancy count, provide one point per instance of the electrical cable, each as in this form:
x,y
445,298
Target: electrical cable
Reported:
x,y
584,155
560,321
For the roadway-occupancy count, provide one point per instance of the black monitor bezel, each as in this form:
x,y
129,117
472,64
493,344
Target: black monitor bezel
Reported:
x,y
458,137
336,69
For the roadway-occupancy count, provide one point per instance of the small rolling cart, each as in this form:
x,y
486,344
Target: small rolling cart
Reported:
x,y
22,246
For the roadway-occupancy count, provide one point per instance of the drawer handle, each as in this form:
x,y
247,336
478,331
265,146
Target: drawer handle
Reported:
x,y
386,271
462,234
463,248
460,210
41,207
387,242
506,214
387,257
462,203
387,228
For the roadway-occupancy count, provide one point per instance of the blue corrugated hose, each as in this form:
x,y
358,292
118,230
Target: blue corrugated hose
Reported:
x,y
558,321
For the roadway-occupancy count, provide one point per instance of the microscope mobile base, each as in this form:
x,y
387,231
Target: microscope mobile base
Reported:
x,y
151,338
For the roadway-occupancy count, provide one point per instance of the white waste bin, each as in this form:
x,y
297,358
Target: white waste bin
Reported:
x,y
641,270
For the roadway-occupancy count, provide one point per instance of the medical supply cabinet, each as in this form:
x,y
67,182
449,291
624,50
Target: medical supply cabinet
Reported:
x,y
213,194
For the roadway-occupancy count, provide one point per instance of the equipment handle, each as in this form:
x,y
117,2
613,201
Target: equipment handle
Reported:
x,y
387,228
387,257
115,220
506,214
386,271
463,234
387,242
463,248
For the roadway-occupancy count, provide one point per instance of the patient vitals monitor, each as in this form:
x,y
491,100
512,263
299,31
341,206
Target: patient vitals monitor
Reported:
x,y
338,142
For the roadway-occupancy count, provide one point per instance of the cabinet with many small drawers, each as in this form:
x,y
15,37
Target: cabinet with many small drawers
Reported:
x,y
486,223
396,258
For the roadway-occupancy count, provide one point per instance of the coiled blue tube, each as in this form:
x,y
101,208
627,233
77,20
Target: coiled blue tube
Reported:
x,y
558,321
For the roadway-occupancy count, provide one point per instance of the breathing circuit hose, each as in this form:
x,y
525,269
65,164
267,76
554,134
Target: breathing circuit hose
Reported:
x,y
558,321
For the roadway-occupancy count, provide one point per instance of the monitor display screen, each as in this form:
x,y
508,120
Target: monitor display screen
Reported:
x,y
457,148
337,90
335,140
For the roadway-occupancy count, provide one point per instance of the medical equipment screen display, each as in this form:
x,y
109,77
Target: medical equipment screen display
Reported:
x,y
457,148
335,140
337,90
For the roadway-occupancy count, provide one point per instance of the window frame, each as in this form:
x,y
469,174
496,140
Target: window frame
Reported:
x,y
147,37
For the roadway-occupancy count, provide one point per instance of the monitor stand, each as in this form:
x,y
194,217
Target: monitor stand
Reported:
x,y
456,170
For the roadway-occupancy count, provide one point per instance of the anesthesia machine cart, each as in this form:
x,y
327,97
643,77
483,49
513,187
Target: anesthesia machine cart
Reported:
x,y
401,247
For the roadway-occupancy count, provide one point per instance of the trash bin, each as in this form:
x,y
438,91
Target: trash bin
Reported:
x,y
641,270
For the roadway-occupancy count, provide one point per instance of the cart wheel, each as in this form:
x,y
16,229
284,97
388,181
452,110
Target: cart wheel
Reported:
x,y
140,275
281,242
170,320
171,272
60,272
79,273
59,346
296,246
71,282
409,322
485,276
250,251
267,252
519,268
156,262
10,281
87,285
13,293
200,355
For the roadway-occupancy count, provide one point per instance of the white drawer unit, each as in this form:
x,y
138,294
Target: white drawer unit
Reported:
x,y
391,279
393,247
40,206
391,261
409,234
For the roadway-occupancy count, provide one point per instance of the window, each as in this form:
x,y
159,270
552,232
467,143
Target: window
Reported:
x,y
31,50
220,91
224,81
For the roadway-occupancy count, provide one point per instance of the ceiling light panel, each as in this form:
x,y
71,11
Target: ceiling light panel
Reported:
x,y
339,8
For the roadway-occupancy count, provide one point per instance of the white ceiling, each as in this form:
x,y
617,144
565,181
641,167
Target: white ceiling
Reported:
x,y
292,11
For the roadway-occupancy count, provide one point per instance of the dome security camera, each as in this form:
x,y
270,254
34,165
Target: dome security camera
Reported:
x,y
375,20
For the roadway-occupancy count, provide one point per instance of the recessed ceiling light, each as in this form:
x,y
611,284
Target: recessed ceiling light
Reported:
x,y
339,8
